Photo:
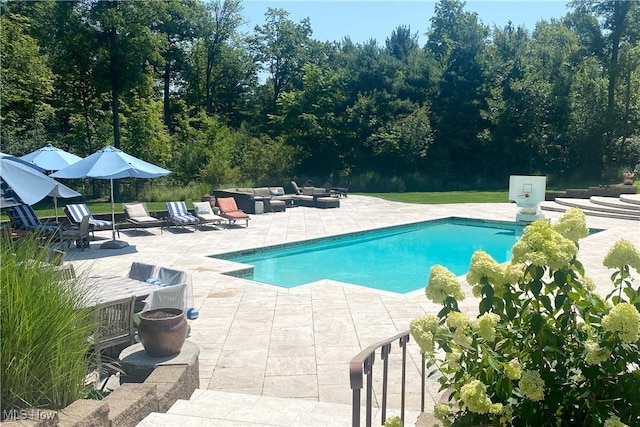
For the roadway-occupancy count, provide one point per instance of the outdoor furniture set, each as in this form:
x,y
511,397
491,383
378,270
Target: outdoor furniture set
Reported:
x,y
24,219
257,200
119,298
205,213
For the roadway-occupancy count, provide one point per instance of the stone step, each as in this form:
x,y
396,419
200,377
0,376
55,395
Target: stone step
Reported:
x,y
586,204
630,198
618,203
217,408
588,210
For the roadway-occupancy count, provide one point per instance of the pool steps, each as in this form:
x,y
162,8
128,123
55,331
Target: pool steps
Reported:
x,y
627,206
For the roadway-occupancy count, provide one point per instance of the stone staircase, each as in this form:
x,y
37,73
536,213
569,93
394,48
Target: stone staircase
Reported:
x,y
217,408
626,206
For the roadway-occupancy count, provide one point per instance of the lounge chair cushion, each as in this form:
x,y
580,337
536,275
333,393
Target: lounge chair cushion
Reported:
x,y
179,215
137,212
23,217
183,219
229,209
79,211
205,213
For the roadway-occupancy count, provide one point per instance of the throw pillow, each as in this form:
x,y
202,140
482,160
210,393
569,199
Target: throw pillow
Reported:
x,y
202,208
276,192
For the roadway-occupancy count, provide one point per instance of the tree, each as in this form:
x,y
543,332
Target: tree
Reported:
x,y
309,119
225,18
281,46
613,15
128,51
456,40
516,106
180,23
402,145
26,81
402,43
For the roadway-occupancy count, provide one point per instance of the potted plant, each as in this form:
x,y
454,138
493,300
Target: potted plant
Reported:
x,y
545,349
628,177
162,331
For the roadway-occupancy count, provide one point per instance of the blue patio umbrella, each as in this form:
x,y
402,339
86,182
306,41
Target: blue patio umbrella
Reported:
x,y
51,158
23,183
111,163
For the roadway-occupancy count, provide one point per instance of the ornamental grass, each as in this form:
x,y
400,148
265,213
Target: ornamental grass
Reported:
x,y
45,332
545,349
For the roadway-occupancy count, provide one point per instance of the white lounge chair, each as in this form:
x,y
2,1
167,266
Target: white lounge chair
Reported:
x,y
205,213
138,215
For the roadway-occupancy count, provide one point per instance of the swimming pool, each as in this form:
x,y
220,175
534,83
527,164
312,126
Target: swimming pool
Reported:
x,y
396,259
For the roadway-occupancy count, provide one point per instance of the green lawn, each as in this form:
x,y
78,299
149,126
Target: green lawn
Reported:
x,y
446,197
45,208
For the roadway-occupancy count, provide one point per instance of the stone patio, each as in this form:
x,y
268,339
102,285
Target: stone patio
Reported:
x,y
273,342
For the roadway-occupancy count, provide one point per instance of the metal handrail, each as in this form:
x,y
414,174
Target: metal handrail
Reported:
x,y
362,365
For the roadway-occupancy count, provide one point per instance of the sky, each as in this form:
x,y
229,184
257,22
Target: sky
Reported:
x,y
362,20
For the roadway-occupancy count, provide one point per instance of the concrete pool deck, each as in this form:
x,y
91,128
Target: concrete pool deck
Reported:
x,y
297,343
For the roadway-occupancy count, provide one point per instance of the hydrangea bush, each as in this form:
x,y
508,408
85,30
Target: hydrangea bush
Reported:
x,y
545,349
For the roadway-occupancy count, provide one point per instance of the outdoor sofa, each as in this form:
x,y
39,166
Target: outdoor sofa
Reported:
x,y
258,199
274,199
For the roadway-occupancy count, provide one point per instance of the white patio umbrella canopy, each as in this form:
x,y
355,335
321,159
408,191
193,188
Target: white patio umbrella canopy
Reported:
x,y
25,184
51,158
111,163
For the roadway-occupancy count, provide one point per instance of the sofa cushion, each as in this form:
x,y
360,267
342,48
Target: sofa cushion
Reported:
x,y
244,190
276,191
261,192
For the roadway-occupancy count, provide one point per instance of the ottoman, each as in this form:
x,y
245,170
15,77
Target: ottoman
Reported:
x,y
327,202
278,205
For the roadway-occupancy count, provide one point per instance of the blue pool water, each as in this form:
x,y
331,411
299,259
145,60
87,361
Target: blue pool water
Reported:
x,y
396,259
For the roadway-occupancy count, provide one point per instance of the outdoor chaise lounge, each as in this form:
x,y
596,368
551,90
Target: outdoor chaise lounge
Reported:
x,y
138,215
180,216
75,213
230,211
297,189
23,217
205,213
342,189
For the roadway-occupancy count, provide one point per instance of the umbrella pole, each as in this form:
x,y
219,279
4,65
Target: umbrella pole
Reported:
x,y
113,243
113,214
55,203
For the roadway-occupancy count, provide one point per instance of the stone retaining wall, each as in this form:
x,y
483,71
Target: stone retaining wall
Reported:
x,y
586,193
129,404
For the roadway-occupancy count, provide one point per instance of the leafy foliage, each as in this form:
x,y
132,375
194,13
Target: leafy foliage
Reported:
x,y
560,100
45,332
545,350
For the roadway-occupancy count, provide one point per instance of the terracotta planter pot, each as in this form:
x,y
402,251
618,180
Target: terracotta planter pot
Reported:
x,y
628,179
162,331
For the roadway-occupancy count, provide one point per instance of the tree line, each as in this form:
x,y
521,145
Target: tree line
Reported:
x,y
178,83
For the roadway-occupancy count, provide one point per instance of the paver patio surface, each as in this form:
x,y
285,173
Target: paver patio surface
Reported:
x,y
271,341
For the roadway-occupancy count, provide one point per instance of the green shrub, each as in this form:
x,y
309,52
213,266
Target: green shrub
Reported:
x,y
545,350
45,335
193,191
